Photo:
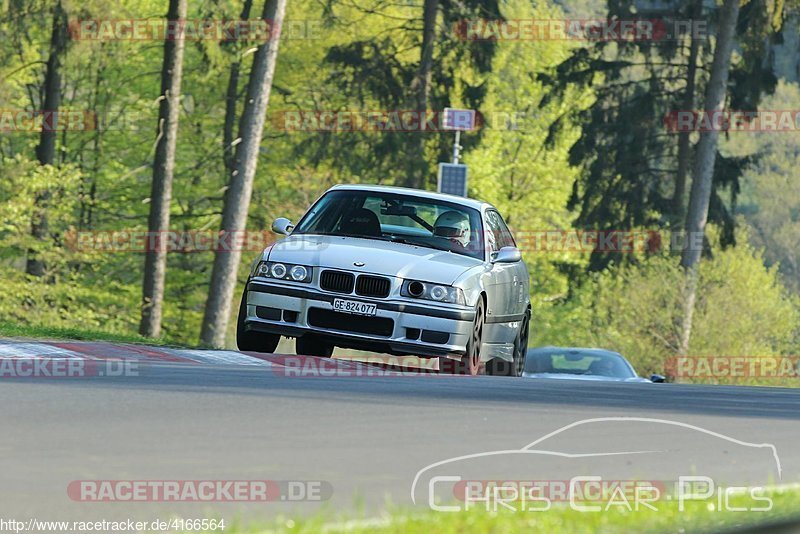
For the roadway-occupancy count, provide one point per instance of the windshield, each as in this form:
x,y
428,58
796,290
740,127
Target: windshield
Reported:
x,y
396,217
576,362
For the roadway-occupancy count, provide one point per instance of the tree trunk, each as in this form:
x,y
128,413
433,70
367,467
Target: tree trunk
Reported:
x,y
231,95
155,262
240,187
703,174
46,149
684,138
422,88
90,183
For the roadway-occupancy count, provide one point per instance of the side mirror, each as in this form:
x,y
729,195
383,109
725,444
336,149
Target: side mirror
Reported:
x,y
657,379
507,255
282,226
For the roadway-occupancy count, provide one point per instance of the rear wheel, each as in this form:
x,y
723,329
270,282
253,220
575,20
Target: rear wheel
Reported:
x,y
311,345
470,363
250,341
498,367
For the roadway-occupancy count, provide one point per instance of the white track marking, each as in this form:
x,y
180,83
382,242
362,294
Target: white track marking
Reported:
x,y
15,349
224,357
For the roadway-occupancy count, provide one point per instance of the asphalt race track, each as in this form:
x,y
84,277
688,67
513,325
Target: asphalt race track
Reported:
x,y
221,415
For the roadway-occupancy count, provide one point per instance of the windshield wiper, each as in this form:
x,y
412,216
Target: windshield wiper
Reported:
x,y
394,238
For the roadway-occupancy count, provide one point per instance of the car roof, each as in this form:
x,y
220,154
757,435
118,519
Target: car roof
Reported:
x,y
584,350
468,202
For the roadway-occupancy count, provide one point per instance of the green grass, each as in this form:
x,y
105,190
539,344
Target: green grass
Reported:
x,y
8,329
698,517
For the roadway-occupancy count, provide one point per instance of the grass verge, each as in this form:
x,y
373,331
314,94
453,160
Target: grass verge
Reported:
x,y
8,329
700,516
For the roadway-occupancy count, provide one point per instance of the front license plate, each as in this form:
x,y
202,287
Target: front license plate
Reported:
x,y
355,307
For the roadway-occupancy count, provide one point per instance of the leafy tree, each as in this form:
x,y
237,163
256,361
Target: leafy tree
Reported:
x,y
517,166
770,191
403,67
636,309
634,171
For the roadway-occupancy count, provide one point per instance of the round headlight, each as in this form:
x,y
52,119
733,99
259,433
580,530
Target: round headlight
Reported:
x,y
278,270
438,293
416,289
263,269
298,273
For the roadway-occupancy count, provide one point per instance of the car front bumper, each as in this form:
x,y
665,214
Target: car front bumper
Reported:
x,y
420,328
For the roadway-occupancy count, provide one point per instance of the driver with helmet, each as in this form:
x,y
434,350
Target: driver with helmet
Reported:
x,y
454,226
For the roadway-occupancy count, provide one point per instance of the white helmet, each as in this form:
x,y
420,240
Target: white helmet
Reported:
x,y
454,226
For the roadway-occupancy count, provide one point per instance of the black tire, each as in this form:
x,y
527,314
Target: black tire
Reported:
x,y
497,367
311,345
250,341
470,363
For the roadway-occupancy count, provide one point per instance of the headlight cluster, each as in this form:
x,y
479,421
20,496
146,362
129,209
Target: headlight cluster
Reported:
x,y
429,291
283,271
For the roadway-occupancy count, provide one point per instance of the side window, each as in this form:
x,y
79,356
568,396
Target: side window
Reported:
x,y
499,235
492,233
508,238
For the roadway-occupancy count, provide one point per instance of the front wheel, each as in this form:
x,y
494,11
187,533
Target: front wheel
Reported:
x,y
498,367
250,341
470,363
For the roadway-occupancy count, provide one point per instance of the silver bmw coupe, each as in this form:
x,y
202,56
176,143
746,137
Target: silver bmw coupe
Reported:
x,y
397,271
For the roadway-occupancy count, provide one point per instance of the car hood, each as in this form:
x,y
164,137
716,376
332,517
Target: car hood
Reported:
x,y
589,378
379,257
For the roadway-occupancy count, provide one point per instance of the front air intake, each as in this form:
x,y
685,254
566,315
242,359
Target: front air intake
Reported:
x,y
373,286
337,281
